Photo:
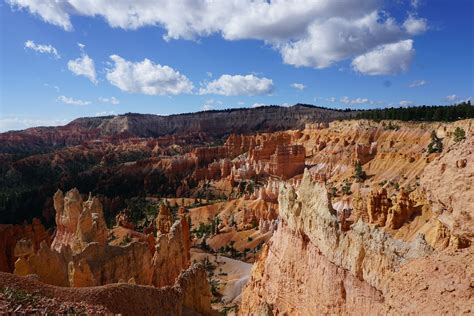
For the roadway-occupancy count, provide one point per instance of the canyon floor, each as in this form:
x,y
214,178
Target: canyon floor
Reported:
x,y
342,217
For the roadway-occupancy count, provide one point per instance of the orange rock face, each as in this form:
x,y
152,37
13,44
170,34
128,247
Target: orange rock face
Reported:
x,y
317,263
10,234
80,255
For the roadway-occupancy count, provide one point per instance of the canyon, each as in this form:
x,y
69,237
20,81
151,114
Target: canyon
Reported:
x,y
269,211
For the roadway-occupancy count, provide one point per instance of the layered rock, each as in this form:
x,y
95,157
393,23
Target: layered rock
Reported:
x,y
312,266
449,186
189,295
80,255
11,234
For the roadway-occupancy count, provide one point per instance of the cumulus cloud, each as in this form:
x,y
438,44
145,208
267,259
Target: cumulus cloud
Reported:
x,y
414,25
42,48
147,77
417,83
111,100
229,85
71,101
51,11
83,66
298,86
311,33
386,59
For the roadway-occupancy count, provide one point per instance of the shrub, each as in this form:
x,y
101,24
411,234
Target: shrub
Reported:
x,y
459,134
359,173
436,145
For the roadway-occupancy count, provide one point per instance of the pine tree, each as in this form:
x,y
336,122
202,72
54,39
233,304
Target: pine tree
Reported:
x,y
359,173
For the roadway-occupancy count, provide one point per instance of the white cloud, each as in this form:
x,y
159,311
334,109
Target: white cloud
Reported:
x,y
452,98
417,83
51,11
52,86
105,113
406,103
331,99
211,104
414,25
415,3
147,77
71,101
238,85
298,86
207,107
83,66
209,74
44,49
13,123
333,39
256,105
386,59
346,100
111,100
241,103
312,33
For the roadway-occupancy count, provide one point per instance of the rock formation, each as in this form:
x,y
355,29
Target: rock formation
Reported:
x,y
312,266
189,295
11,234
81,256
164,220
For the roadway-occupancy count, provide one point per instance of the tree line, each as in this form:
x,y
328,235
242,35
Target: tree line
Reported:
x,y
454,112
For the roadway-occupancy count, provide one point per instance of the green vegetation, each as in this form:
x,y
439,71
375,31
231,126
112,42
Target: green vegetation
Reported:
x,y
19,298
359,173
227,309
215,284
202,230
126,240
455,112
459,134
436,144
141,211
391,126
346,187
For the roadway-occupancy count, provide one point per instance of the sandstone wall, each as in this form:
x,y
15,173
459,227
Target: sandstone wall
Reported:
x,y
312,265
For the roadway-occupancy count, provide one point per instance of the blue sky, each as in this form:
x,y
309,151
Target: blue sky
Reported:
x,y
66,59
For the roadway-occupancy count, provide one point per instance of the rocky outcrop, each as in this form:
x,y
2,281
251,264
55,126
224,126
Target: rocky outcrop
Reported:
x,y
189,295
387,212
171,255
347,269
287,161
11,234
80,255
449,186
164,220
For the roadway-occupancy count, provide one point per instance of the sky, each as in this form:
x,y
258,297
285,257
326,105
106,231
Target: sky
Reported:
x,y
63,59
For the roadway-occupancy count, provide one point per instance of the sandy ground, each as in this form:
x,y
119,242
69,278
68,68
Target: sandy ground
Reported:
x,y
232,274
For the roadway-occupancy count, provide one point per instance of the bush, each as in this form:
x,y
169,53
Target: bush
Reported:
x,y
346,188
436,145
359,173
459,134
